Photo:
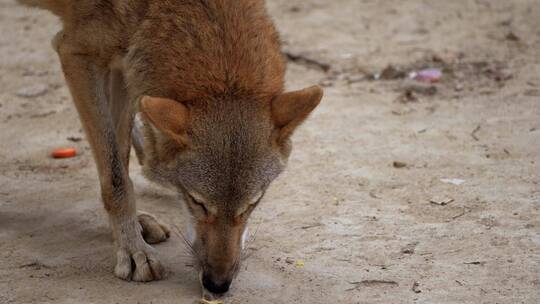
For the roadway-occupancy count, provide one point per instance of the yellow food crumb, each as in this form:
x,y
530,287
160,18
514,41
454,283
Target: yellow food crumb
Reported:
x,y
299,263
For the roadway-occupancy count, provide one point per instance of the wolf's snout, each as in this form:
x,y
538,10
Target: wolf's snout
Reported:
x,y
214,286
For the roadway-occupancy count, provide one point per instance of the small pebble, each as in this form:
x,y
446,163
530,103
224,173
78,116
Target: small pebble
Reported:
x,y
398,164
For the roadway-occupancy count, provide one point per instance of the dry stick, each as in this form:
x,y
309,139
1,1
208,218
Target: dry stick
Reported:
x,y
473,133
309,62
311,226
371,282
465,211
32,264
459,215
474,263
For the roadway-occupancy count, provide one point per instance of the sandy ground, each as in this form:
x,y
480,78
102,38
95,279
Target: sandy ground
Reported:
x,y
365,229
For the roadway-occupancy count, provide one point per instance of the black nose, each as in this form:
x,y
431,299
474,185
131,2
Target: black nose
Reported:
x,y
214,287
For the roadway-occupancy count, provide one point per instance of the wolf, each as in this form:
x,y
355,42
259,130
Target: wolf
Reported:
x,y
206,78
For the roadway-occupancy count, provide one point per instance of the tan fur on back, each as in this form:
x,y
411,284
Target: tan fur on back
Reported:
x,y
196,50
207,49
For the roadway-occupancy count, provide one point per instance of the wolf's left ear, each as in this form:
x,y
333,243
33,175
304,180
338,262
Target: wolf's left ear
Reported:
x,y
169,116
290,109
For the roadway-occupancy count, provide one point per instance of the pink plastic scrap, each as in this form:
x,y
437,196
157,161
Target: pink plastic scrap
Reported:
x,y
427,75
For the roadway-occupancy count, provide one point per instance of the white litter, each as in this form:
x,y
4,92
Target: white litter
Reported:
x,y
453,181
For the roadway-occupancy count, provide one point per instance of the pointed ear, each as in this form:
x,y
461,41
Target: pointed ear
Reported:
x,y
290,109
169,116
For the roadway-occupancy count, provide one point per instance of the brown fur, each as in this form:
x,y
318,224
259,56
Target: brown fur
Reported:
x,y
208,75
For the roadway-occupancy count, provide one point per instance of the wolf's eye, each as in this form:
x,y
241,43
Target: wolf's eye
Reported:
x,y
248,210
251,205
199,205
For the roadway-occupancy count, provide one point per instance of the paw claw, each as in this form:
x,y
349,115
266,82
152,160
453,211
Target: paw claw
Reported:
x,y
123,265
155,267
153,231
142,266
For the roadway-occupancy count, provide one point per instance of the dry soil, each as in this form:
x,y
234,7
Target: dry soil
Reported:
x,y
364,226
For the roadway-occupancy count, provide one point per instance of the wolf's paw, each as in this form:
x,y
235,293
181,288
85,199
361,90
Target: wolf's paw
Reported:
x,y
139,265
153,231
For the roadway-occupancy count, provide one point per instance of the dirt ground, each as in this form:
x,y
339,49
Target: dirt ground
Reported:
x,y
363,225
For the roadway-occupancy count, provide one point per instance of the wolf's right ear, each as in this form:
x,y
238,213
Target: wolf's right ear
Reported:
x,y
169,116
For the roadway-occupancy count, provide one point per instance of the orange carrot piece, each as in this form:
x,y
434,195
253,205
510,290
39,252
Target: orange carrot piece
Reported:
x,y
64,153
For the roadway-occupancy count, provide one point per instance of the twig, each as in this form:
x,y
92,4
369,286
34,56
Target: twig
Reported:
x,y
462,213
473,133
311,226
35,264
474,263
441,202
32,264
372,194
74,138
371,283
309,62
459,215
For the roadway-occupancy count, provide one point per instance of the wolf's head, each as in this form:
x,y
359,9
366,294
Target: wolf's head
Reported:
x,y
221,155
